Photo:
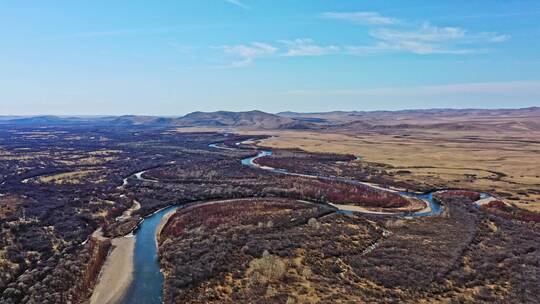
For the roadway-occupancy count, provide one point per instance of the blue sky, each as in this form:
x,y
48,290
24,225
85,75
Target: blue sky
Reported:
x,y
174,57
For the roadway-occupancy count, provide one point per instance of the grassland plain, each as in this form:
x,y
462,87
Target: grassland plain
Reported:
x,y
506,164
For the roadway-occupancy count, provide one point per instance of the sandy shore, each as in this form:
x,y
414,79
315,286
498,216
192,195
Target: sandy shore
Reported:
x,y
116,274
162,224
117,271
488,200
360,209
353,208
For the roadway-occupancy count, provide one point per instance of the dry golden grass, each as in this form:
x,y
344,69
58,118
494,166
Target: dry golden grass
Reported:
x,y
6,266
104,152
88,161
75,177
488,162
15,157
21,154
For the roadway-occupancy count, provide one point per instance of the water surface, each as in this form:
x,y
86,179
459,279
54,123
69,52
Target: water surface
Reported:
x,y
148,280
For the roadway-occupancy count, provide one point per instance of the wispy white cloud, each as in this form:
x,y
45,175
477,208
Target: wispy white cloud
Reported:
x,y
429,39
307,47
409,47
247,53
388,35
500,38
366,18
426,33
429,33
396,35
239,4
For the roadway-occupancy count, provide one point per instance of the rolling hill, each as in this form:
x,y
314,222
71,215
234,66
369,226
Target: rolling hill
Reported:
x,y
518,120
250,119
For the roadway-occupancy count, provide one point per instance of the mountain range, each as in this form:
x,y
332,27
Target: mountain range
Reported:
x,y
453,119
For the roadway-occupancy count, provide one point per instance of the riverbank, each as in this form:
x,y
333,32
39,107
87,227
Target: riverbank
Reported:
x,y
426,208
162,224
116,274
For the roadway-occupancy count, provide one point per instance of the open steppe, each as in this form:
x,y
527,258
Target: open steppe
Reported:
x,y
508,167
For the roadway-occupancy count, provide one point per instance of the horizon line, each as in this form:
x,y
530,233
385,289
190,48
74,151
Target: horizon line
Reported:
x,y
275,113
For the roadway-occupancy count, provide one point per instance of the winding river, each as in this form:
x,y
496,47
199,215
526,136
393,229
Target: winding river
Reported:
x,y
147,276
147,283
435,208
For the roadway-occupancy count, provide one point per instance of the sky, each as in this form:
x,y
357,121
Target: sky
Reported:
x,y
172,57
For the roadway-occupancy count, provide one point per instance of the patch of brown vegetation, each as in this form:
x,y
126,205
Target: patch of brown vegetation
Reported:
x,y
502,209
8,206
468,196
276,251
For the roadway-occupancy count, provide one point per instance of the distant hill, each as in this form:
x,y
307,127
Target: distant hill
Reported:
x,y
251,120
49,120
451,119
142,120
221,119
526,119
